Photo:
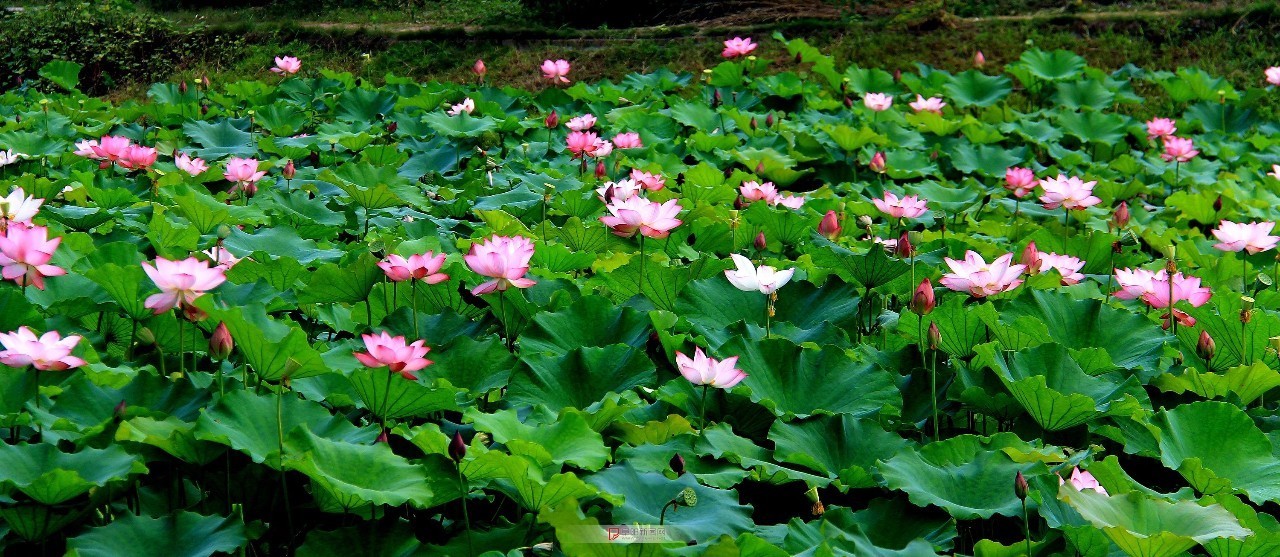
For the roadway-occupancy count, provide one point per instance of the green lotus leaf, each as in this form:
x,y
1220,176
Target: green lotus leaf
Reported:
x,y
50,476
1217,447
799,382
1244,382
967,475
247,423
389,395
589,321
973,88
181,534
579,378
1053,66
644,494
1053,388
838,446
569,440
1144,526
363,474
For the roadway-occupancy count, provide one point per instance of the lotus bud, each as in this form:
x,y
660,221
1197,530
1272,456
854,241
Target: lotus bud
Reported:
x,y
289,170
393,126
315,158
221,343
923,301
739,203
457,447
146,336
552,120
753,124
799,58
1031,258
768,120
760,167
118,411
1205,347
182,87
677,464
291,366
830,225
935,336
716,99
897,75
865,221
382,438
1020,486
877,162
692,239
204,109
479,69
848,102
1217,204
979,60
601,170
903,248
761,243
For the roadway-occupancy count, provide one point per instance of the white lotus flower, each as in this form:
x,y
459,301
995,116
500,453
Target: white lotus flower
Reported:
x,y
765,279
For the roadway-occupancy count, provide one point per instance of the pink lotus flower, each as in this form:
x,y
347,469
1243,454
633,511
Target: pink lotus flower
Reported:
x,y
910,206
467,105
48,352
1134,283
1185,288
393,353
112,148
138,157
556,70
1273,75
422,266
601,149
738,46
637,214
243,171
581,123
618,191
979,279
755,191
220,257
180,282
1067,266
25,254
1160,127
829,226
504,259
479,68
701,370
628,140
1254,237
931,104
287,65
582,143
789,201
1019,180
877,101
185,163
1071,193
764,279
651,182
85,148
18,207
1179,149
1082,480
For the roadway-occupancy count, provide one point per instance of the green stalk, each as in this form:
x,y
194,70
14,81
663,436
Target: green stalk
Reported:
x,y
640,281
1026,526
933,389
465,516
284,485
413,287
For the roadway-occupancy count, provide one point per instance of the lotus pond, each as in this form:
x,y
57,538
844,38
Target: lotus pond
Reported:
x,y
780,307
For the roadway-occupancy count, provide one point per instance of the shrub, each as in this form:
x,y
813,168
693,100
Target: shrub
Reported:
x,y
590,13
114,44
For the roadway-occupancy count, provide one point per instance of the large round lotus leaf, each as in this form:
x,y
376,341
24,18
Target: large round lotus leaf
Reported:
x,y
50,476
579,378
247,423
715,512
1132,341
567,440
1217,447
1053,388
838,446
800,382
967,475
182,534
366,474
1145,526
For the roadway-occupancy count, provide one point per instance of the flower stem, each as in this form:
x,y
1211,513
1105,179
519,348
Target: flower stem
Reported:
x,y
182,347
702,417
35,383
466,518
640,281
1026,526
933,389
284,484
413,288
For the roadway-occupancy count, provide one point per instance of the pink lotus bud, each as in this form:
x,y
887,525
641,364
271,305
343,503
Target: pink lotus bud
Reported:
x,y
897,75
457,447
768,120
1031,257
754,125
677,464
979,60
923,302
1217,204
1120,218
478,68
760,167
761,243
848,102
382,437
877,162
830,225
739,203
204,110
1020,486
289,170
601,170
1205,347
552,120
393,126
935,336
903,247
221,343
716,99
182,87
118,412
